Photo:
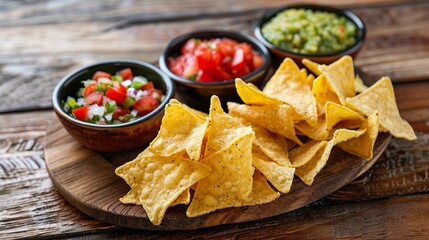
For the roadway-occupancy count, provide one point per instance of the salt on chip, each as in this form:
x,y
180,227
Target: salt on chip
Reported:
x,y
276,118
380,98
250,94
182,131
288,85
308,171
159,181
338,114
223,128
340,75
281,177
363,146
300,155
230,181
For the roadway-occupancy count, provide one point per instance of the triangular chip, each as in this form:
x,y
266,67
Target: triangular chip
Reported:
x,y
223,128
300,155
276,118
229,182
359,85
250,94
308,171
181,131
363,146
159,181
380,98
288,85
312,66
272,145
343,116
132,197
340,76
323,92
281,177
318,132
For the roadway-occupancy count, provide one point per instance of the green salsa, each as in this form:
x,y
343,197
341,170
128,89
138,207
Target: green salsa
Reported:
x,y
310,32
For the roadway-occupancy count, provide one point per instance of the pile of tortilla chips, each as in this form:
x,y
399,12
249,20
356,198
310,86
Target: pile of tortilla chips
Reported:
x,y
250,155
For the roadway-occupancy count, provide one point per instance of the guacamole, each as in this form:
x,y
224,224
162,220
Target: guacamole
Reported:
x,y
310,32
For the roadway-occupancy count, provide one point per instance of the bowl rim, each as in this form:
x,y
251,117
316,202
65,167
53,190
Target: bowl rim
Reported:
x,y
181,39
347,13
170,90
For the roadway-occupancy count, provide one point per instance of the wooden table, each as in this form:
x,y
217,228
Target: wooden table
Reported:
x,y
42,41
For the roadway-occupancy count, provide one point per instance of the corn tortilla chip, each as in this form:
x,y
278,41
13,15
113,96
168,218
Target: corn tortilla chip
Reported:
x,y
380,98
275,118
250,94
288,85
312,66
318,132
308,171
359,85
229,182
338,114
300,155
281,177
363,146
159,181
322,91
340,76
272,145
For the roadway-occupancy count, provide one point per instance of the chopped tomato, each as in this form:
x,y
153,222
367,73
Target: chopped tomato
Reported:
x,y
116,95
95,97
89,89
147,86
145,105
119,112
214,60
126,73
81,113
121,88
101,74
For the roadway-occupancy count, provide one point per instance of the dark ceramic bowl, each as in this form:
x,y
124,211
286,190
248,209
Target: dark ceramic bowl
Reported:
x,y
197,94
281,53
118,137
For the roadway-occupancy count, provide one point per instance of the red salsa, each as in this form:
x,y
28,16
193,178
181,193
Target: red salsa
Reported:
x,y
214,60
112,99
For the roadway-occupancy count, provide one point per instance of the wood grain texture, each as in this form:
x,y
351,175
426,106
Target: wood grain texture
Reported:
x,y
87,180
68,36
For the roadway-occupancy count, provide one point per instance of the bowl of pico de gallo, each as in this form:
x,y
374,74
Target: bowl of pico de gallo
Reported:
x,y
114,105
207,62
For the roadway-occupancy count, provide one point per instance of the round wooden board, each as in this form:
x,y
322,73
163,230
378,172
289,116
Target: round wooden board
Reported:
x,y
87,180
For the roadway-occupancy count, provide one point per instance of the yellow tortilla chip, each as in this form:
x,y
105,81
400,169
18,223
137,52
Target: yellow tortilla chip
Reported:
x,y
181,132
340,76
363,146
272,145
132,197
380,98
261,191
288,85
310,80
318,132
308,171
338,114
223,128
229,182
275,118
300,155
322,91
159,181
281,177
359,85
312,66
250,94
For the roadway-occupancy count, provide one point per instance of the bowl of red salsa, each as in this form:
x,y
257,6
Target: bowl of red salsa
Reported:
x,y
114,105
206,62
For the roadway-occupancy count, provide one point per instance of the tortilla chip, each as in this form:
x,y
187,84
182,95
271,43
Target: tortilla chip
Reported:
x,y
343,116
250,94
301,155
359,85
363,146
223,128
275,118
132,197
318,132
159,181
340,76
288,85
181,132
380,98
272,145
312,66
281,177
230,181
323,91
308,171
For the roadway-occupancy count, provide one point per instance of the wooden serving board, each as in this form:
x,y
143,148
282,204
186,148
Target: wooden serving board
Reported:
x,y
87,180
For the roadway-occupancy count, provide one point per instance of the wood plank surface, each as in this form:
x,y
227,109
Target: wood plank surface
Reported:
x,y
41,41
